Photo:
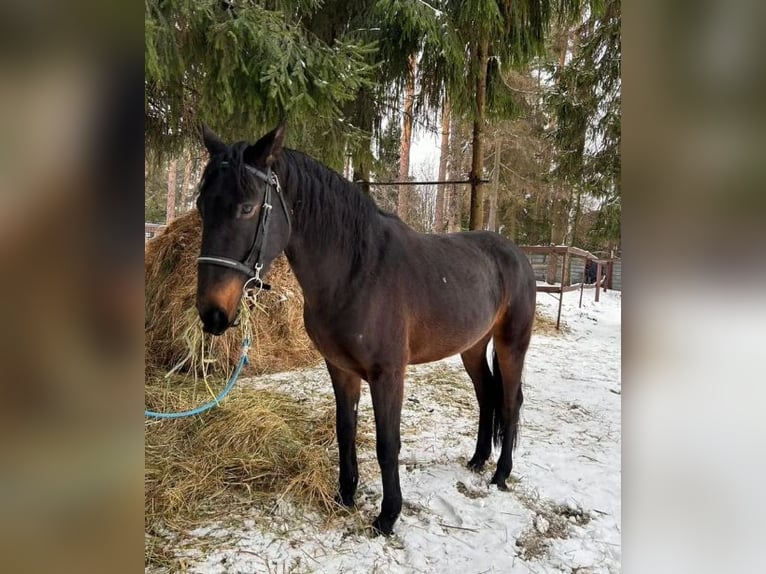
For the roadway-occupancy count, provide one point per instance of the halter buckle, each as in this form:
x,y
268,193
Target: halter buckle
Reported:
x,y
275,182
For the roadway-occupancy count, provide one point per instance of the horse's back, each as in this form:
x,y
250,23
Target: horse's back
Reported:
x,y
491,251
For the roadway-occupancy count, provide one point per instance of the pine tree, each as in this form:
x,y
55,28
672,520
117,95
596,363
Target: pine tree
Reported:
x,y
241,67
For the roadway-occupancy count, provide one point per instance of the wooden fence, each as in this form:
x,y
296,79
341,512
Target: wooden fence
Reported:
x,y
570,266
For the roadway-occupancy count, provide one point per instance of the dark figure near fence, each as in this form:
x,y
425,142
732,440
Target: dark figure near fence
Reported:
x,y
590,271
378,295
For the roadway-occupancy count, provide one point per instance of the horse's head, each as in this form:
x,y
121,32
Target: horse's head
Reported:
x,y
245,223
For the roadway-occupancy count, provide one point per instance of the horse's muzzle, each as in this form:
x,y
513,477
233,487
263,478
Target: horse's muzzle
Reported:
x,y
214,321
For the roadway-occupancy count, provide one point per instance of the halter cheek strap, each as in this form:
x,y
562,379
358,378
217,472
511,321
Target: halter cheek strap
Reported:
x,y
253,263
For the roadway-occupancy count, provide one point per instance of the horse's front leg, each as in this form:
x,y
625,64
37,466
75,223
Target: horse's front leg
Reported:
x,y
346,386
387,390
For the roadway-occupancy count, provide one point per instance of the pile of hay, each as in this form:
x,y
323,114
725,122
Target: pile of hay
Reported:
x,y
173,332
259,447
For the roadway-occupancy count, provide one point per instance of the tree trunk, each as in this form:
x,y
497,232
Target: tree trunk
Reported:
x,y
454,201
362,177
362,162
404,158
477,164
170,211
458,164
441,190
513,224
185,191
576,218
566,224
347,167
492,219
559,224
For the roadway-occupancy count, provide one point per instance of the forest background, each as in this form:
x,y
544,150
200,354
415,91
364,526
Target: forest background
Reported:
x,y
519,99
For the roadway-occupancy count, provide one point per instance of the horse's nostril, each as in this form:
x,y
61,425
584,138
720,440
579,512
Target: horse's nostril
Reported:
x,y
215,321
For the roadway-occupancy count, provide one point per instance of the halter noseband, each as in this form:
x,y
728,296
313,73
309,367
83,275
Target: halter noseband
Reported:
x,y
252,264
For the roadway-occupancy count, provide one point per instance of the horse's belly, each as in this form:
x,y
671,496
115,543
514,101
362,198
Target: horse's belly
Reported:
x,y
453,312
433,354
435,342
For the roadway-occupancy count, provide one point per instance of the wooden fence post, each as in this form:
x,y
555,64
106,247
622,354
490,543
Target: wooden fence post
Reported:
x,y
598,280
564,263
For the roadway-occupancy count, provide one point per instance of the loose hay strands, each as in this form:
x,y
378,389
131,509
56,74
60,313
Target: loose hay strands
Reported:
x,y
545,325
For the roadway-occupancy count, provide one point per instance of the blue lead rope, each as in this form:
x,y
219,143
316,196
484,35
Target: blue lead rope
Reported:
x,y
207,406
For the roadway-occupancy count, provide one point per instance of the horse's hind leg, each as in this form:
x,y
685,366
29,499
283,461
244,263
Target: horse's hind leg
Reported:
x,y
347,387
475,363
511,342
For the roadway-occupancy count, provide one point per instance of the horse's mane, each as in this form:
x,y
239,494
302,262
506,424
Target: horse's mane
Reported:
x,y
330,209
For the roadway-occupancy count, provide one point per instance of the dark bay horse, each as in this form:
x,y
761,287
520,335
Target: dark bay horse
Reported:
x,y
378,295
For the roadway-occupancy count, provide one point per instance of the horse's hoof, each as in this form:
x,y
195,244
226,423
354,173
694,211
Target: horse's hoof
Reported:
x,y
381,526
476,465
346,501
499,481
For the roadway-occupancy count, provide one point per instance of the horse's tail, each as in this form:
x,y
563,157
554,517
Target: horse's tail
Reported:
x,y
498,421
498,424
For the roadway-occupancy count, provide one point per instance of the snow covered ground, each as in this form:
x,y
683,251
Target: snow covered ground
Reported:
x,y
563,511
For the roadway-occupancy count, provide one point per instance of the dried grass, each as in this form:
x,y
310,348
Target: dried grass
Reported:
x,y
550,521
545,325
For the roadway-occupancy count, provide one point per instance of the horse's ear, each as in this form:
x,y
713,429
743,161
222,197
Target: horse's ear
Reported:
x,y
278,140
212,142
267,150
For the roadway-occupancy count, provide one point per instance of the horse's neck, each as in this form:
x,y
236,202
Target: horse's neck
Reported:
x,y
324,250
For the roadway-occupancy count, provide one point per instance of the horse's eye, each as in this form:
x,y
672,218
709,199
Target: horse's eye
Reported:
x,y
246,208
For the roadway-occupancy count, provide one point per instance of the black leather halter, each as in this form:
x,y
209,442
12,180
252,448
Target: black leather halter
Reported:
x,y
253,264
